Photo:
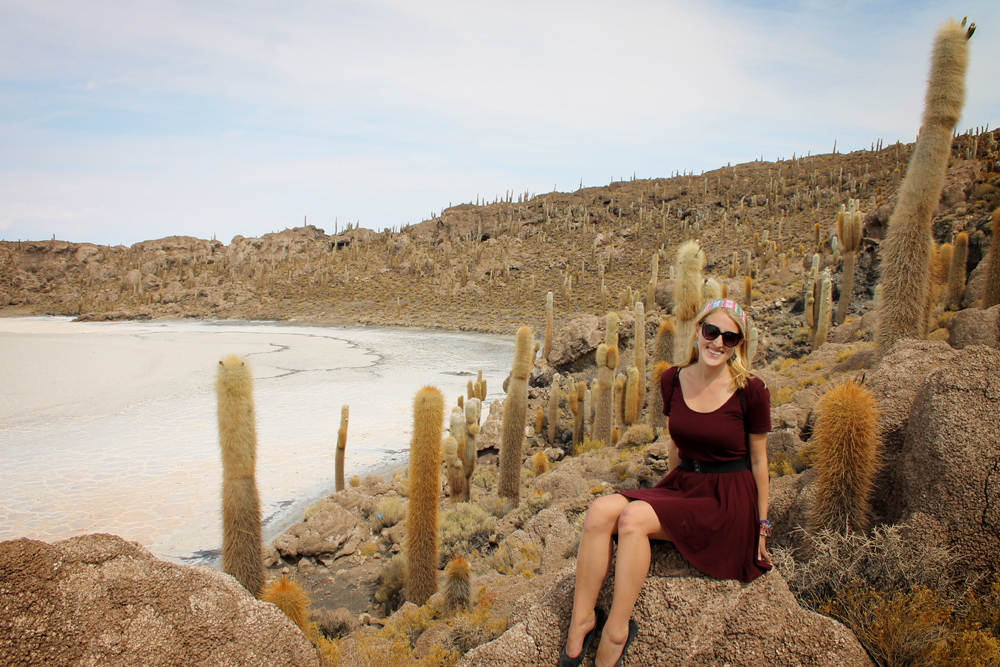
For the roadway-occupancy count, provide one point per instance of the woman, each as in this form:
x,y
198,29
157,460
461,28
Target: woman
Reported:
x,y
712,504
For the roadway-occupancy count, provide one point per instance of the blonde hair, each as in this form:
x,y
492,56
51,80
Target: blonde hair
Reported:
x,y
739,366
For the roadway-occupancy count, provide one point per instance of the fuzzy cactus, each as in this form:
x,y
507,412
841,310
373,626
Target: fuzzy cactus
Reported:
x,y
656,417
345,412
752,340
454,470
991,297
540,463
578,401
241,514
619,388
663,347
539,420
421,546
289,597
825,309
548,326
611,324
607,361
640,357
473,409
457,588
654,277
553,409
847,455
849,228
906,250
687,296
957,274
632,407
515,414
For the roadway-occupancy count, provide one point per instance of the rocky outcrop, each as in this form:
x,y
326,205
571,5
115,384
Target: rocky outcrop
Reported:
x,y
331,530
973,326
99,600
949,466
685,618
576,340
894,384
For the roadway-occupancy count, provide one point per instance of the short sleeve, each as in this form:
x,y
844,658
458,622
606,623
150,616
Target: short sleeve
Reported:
x,y
759,406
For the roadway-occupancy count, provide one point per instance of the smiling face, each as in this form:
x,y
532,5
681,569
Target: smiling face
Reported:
x,y
714,352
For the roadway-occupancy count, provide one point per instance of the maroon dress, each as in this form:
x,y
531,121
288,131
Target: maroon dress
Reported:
x,y
712,517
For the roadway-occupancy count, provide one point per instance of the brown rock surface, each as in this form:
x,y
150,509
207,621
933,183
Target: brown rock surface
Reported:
x,y
579,337
894,384
973,326
685,618
99,600
331,530
950,462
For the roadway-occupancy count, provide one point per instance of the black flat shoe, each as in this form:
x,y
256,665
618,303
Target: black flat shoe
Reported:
x,y
565,660
633,630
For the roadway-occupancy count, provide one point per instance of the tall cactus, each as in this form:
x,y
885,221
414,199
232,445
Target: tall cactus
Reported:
x,y
687,296
640,356
620,402
473,409
849,228
548,326
577,403
651,290
957,274
992,295
847,458
515,414
425,488
632,409
241,517
906,251
553,409
656,417
457,431
607,361
663,348
345,412
825,309
454,470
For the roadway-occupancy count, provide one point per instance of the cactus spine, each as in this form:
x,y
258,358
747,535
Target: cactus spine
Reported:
x,y
687,296
663,348
515,412
656,417
577,405
553,409
454,455
473,410
457,590
619,388
241,518
956,275
640,357
651,291
607,361
548,326
906,251
849,226
289,597
847,458
825,308
539,420
540,463
341,446
425,490
991,296
632,409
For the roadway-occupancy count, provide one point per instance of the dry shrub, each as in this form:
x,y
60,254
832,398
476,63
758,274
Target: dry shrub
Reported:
x,y
475,627
637,434
464,528
335,623
588,446
390,582
485,476
885,559
369,549
533,504
510,558
780,465
389,512
497,506
330,651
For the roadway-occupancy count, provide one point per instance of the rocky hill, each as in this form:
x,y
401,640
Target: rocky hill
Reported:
x,y
487,267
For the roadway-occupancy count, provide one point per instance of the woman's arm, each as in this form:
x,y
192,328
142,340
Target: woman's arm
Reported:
x,y
758,463
673,458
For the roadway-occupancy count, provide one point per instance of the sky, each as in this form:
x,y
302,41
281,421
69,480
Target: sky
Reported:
x,y
127,120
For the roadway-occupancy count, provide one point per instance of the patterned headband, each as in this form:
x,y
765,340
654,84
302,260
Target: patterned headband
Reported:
x,y
731,305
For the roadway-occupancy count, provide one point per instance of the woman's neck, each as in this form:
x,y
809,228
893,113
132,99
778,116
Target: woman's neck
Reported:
x,y
710,374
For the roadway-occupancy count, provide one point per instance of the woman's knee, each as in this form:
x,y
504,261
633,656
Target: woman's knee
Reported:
x,y
603,513
638,517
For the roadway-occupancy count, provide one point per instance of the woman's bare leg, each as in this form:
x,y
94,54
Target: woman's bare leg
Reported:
x,y
592,563
637,523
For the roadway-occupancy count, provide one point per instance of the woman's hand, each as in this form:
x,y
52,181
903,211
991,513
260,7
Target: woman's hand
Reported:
x,y
762,554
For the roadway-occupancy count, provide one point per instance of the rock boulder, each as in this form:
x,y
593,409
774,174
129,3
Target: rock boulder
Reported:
x,y
99,600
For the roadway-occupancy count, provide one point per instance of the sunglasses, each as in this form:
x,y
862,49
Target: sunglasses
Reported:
x,y
729,338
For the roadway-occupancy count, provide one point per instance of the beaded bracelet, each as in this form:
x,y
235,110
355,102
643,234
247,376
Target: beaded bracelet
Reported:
x,y
765,528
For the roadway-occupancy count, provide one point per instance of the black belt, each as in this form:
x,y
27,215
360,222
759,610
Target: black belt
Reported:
x,y
728,466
